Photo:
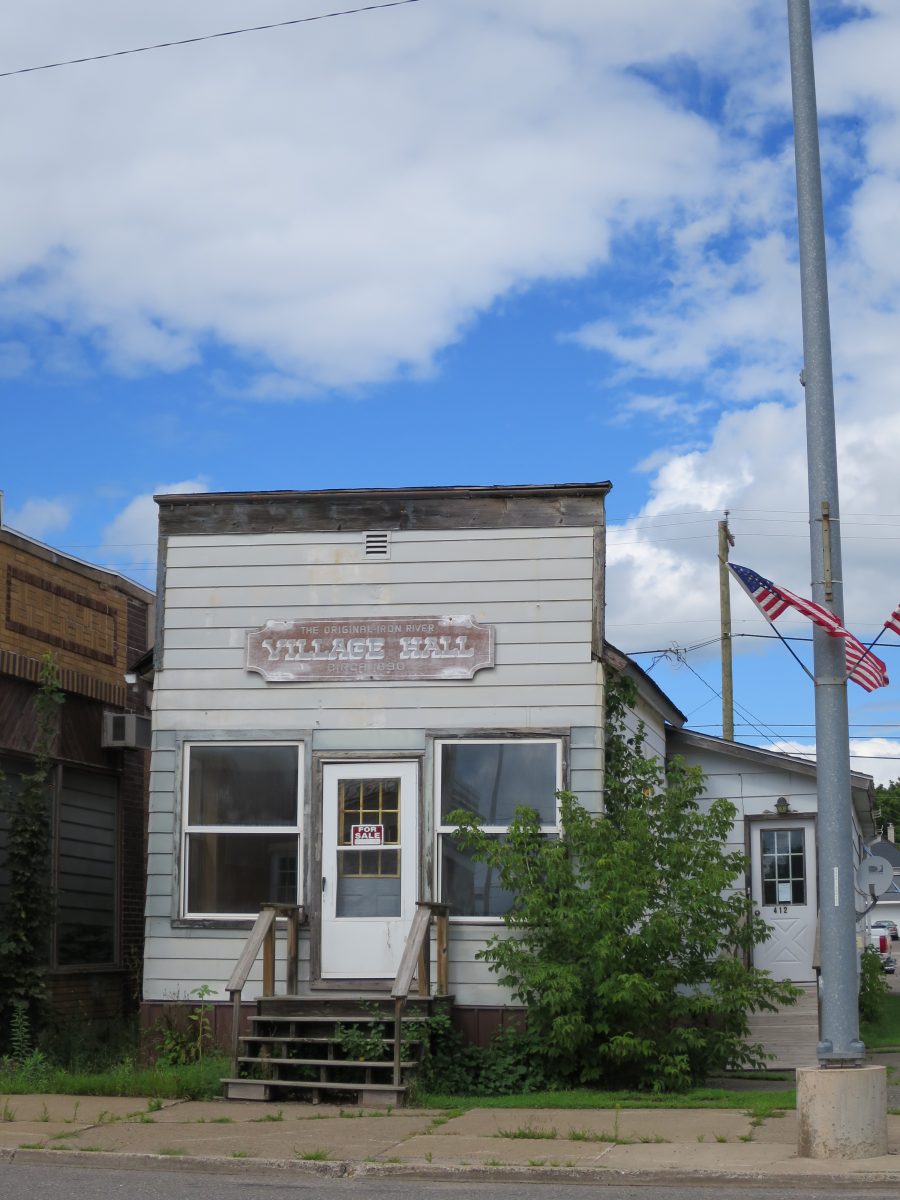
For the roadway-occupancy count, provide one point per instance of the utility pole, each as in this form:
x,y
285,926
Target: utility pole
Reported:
x,y
839,1043
726,540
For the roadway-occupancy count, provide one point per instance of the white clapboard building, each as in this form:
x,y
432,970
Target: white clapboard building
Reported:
x,y
337,671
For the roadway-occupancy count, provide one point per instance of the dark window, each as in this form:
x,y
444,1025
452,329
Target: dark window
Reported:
x,y
83,864
491,779
242,828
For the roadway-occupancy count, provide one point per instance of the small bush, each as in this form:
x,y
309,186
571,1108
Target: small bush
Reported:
x,y
873,987
510,1065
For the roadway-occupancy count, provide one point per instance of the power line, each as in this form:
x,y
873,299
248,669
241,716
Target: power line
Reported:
x,y
207,37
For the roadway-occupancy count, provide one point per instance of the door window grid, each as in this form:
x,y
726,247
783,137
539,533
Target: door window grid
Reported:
x,y
369,802
783,864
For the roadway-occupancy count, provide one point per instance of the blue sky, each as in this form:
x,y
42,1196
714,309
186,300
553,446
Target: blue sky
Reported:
x,y
463,242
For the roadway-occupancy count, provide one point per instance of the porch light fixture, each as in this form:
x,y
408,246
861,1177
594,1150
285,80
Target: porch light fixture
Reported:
x,y
782,807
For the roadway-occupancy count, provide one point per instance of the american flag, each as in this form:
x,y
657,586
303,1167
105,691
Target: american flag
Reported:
x,y
893,621
863,667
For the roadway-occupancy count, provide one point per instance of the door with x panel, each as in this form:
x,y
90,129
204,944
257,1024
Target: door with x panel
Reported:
x,y
783,872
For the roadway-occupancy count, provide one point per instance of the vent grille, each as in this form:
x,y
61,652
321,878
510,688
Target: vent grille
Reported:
x,y
377,544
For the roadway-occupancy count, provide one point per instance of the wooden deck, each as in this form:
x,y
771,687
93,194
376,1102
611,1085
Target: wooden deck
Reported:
x,y
791,1033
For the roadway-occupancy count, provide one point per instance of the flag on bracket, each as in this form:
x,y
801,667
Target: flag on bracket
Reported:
x,y
863,667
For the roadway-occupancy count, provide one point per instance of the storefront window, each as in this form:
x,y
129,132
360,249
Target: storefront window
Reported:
x,y
242,828
491,779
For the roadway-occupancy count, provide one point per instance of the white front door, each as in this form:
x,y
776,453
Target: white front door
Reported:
x,y
783,873
369,866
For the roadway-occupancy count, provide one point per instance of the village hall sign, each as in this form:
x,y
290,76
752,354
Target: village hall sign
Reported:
x,y
335,648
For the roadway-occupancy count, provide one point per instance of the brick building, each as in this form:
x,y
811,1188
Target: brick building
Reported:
x,y
95,624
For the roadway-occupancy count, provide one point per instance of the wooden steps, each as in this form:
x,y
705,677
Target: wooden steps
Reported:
x,y
791,1033
337,1046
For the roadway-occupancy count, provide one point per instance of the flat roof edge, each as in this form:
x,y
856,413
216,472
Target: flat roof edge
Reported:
x,y
525,490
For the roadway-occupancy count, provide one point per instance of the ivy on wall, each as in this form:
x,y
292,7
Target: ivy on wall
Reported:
x,y
27,908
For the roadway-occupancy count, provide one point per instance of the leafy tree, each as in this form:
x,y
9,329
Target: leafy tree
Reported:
x,y
887,800
629,938
28,905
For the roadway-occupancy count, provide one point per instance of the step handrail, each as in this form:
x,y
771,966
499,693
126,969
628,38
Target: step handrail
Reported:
x,y
262,935
416,961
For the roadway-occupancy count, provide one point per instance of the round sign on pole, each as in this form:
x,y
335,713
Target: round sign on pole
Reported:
x,y
874,876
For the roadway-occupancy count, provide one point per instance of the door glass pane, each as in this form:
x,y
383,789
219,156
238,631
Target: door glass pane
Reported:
x,y
783,866
368,861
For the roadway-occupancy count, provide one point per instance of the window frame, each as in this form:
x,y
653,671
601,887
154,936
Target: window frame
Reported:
x,y
295,830
442,830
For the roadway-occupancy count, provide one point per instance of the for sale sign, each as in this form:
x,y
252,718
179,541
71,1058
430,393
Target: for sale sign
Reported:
x,y
366,835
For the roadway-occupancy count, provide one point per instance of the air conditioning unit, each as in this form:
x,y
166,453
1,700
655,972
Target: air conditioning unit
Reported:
x,y
125,731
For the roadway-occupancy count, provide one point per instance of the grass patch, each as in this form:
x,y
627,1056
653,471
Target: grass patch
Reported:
x,y
757,1104
883,1034
192,1081
527,1131
312,1155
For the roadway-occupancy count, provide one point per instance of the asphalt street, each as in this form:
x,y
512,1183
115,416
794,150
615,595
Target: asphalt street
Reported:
x,y
63,1182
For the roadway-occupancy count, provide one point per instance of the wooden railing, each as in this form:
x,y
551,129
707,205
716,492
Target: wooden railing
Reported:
x,y
416,961
263,935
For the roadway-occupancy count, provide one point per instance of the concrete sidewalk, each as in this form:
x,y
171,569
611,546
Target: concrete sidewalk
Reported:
x,y
598,1145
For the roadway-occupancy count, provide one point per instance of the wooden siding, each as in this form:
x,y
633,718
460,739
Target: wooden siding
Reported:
x,y
537,587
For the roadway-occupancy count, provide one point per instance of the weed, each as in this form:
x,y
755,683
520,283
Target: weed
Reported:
x,y
68,1133
74,1116
494,1162
537,1162
392,1159
720,1138
153,1105
171,1151
45,1112
428,1156
221,1120
240,1154
745,1137
701,1137
266,1117
7,1113
527,1131
31,1145
312,1155
91,1149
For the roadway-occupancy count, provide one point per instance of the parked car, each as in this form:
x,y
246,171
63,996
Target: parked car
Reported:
x,y
889,927
888,964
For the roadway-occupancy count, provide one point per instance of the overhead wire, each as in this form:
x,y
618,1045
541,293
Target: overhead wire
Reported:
x,y
206,37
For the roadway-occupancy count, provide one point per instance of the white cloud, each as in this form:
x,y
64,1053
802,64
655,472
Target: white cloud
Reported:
x,y
132,534
39,516
878,757
335,202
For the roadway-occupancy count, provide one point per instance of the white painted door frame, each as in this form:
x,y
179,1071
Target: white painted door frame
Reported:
x,y
366,910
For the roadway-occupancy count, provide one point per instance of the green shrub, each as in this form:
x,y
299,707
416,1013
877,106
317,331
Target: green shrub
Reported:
x,y
510,1065
873,987
629,934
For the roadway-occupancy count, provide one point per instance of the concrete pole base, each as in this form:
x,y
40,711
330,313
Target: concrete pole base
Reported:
x,y
842,1112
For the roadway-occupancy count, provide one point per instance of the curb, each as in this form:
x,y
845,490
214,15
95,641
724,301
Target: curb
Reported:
x,y
442,1173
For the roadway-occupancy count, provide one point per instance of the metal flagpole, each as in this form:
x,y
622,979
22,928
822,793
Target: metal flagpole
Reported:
x,y
839,1042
